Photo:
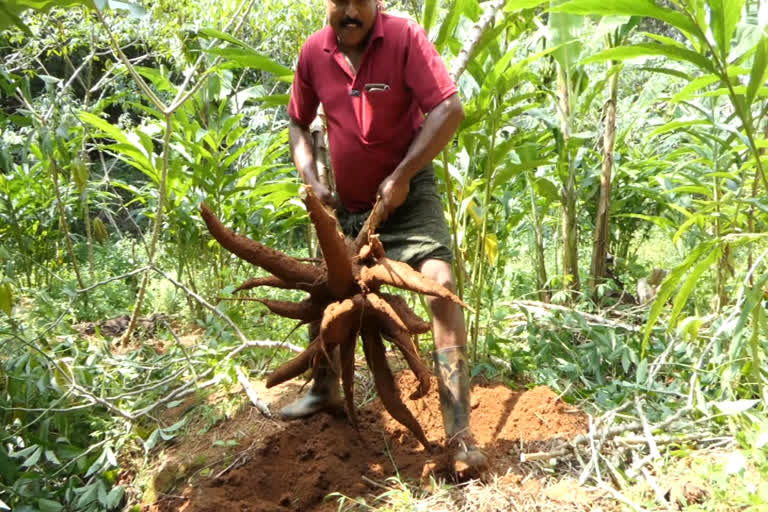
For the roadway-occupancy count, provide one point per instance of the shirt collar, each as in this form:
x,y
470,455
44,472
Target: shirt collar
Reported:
x,y
377,32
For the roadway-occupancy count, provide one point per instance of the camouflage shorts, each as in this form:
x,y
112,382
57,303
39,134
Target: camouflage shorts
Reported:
x,y
417,230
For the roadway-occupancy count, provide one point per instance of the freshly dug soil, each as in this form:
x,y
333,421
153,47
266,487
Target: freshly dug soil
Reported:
x,y
298,466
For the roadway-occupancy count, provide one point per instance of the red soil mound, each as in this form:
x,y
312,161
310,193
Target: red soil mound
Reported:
x,y
296,468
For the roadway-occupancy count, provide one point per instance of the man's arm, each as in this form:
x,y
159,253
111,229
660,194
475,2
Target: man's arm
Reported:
x,y
304,158
436,132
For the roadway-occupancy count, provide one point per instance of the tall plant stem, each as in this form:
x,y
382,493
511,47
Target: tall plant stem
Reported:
x,y
458,260
570,227
751,221
541,268
598,269
54,168
155,232
479,264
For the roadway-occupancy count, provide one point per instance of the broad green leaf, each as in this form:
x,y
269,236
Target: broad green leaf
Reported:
x,y
275,100
734,407
667,71
622,53
114,497
628,8
429,14
662,222
10,11
247,58
46,505
668,287
675,126
491,248
664,40
218,34
451,21
110,130
32,459
724,14
566,29
136,11
759,67
695,85
685,226
546,189
6,298
690,283
518,5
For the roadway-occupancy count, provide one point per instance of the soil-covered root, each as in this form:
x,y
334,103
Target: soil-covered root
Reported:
x,y
275,262
271,281
381,309
347,353
296,366
372,250
373,347
402,275
404,342
339,318
413,323
307,310
341,280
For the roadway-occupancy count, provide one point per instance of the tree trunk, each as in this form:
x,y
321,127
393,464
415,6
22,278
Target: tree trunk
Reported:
x,y
541,269
598,269
570,227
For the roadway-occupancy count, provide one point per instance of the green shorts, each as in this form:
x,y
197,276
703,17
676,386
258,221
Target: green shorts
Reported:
x,y
416,231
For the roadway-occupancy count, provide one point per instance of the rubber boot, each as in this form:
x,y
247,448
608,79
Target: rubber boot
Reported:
x,y
324,395
453,385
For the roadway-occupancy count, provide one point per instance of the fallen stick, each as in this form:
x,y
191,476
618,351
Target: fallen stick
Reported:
x,y
252,395
608,434
654,450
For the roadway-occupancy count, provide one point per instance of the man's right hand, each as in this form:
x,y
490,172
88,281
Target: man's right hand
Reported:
x,y
322,193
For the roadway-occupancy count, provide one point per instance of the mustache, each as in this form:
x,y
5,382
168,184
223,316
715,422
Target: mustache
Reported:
x,y
351,21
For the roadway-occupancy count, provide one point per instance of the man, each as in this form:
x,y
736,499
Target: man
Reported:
x,y
376,76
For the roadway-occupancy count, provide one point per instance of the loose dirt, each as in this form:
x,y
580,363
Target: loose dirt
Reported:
x,y
298,464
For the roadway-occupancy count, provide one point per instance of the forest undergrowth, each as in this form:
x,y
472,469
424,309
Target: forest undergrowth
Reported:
x,y
606,200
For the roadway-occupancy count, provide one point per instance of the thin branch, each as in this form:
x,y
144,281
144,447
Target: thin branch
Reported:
x,y
252,395
115,278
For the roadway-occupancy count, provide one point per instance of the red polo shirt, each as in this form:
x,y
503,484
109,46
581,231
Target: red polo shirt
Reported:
x,y
373,116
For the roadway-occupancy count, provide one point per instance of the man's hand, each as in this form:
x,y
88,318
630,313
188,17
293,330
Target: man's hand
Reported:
x,y
323,194
392,191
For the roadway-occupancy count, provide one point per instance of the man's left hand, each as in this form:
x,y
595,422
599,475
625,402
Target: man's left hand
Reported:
x,y
393,192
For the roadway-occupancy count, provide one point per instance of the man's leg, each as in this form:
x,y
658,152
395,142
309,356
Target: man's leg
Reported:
x,y
325,393
452,368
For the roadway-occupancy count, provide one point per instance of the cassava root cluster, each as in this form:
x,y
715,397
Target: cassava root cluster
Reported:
x,y
346,300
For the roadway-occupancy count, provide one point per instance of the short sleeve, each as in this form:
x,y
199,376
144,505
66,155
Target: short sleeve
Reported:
x,y
302,107
425,71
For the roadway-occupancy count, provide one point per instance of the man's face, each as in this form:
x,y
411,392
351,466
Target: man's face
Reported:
x,y
351,20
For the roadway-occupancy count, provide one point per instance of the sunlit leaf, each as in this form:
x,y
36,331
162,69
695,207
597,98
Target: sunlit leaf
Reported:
x,y
759,68
724,14
734,407
622,53
627,8
247,58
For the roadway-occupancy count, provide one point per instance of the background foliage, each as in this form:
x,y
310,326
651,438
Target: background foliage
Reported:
x,y
118,119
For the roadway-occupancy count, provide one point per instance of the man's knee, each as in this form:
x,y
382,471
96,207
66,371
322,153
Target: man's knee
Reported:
x,y
442,273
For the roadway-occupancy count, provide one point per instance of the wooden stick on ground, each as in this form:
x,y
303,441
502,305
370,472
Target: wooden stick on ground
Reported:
x,y
252,395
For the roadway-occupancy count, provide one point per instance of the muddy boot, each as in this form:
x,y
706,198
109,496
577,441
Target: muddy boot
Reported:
x,y
453,385
324,395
